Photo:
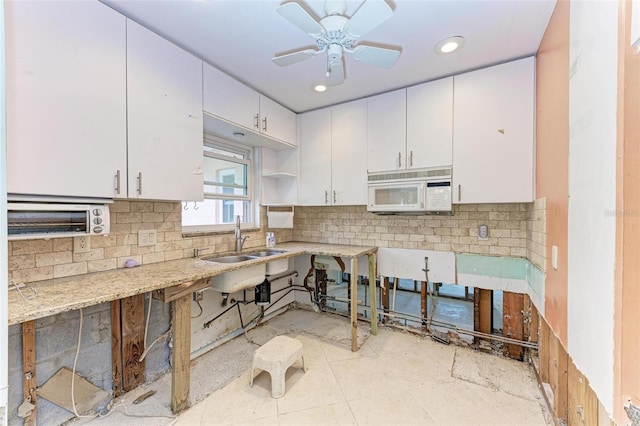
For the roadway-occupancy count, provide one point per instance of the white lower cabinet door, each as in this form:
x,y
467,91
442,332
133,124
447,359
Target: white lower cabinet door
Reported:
x,y
165,118
66,99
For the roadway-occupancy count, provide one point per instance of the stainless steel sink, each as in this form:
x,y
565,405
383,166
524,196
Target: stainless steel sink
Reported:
x,y
229,259
264,253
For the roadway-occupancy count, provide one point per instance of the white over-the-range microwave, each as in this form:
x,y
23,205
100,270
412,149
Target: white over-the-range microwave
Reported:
x,y
421,191
27,220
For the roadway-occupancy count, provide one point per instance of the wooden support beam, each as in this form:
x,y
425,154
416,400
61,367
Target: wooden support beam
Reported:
x,y
373,293
181,353
172,293
384,297
132,323
531,328
29,368
116,348
354,304
513,323
482,311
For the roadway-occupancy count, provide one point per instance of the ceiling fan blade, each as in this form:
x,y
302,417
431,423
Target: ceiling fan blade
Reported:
x,y
335,73
371,14
299,17
295,57
379,56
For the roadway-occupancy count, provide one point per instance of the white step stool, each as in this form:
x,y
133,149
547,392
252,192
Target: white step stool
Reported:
x,y
275,357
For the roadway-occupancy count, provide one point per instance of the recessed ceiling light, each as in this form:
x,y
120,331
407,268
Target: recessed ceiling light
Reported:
x,y
319,87
449,45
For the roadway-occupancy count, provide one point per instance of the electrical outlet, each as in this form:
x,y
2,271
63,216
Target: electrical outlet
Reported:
x,y
147,237
198,295
82,244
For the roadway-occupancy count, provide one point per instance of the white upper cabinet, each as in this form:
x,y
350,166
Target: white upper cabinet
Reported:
x,y
164,99
315,158
493,148
332,143
66,99
232,101
348,144
387,131
227,98
430,124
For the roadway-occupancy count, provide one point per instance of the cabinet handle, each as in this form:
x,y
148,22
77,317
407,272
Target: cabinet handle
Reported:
x,y
326,197
257,122
399,160
264,124
411,159
118,182
334,197
140,183
459,192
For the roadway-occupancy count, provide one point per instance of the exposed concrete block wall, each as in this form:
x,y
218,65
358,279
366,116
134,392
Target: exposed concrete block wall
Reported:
x,y
458,233
56,343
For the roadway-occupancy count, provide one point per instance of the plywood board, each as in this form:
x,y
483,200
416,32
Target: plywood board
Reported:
x,y
116,348
58,390
512,323
558,372
180,353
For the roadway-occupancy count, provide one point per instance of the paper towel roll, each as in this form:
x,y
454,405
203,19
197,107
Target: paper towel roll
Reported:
x,y
279,219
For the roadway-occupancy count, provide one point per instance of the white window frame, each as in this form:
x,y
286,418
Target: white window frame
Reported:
x,y
249,161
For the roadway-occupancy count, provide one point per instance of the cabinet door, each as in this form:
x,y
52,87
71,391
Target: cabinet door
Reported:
x,y
387,131
315,158
348,145
165,118
66,98
493,147
277,121
430,124
227,98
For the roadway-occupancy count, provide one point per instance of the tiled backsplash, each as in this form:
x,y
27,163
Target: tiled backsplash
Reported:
x,y
458,233
514,230
35,260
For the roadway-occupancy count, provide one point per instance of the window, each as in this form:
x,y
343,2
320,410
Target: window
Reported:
x,y
228,189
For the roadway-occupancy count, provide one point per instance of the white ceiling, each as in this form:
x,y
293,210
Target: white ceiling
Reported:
x,y
240,37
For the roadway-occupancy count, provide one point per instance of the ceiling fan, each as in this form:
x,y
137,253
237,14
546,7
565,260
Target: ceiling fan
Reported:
x,y
337,34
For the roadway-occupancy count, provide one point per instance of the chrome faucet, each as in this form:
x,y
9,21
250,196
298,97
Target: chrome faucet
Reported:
x,y
238,236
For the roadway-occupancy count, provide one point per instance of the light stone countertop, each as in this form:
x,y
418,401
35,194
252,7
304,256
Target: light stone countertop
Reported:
x,y
66,294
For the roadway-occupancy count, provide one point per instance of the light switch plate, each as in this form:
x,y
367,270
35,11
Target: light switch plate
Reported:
x,y
147,237
483,232
554,257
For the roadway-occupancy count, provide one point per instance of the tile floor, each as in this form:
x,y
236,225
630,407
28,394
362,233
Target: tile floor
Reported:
x,y
395,378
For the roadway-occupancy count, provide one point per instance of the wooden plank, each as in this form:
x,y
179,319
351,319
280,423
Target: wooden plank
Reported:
x,y
423,305
534,324
512,323
371,258
482,311
132,324
544,351
180,354
582,401
354,304
384,297
574,414
558,377
116,348
29,368
172,293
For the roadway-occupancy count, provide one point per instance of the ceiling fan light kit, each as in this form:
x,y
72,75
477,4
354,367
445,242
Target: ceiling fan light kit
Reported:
x,y
337,34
